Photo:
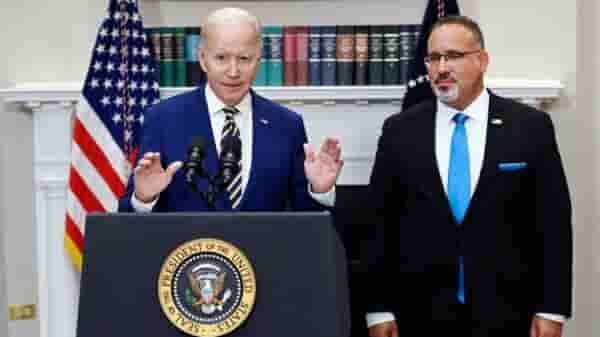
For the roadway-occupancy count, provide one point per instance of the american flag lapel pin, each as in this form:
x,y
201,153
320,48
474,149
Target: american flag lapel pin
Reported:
x,y
264,121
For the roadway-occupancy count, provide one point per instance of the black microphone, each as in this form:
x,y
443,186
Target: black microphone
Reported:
x,y
196,153
229,162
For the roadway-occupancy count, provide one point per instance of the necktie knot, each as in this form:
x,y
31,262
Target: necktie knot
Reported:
x,y
229,112
460,118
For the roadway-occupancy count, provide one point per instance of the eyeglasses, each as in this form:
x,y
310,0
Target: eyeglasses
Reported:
x,y
449,57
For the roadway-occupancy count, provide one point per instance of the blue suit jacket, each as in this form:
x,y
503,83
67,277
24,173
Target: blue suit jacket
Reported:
x,y
277,179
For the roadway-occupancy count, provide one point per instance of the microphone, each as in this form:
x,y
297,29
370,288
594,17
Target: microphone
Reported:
x,y
196,153
229,162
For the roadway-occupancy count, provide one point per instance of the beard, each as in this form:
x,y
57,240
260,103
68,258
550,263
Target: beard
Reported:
x,y
450,94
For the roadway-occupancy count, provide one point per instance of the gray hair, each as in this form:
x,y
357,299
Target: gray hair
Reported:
x,y
232,15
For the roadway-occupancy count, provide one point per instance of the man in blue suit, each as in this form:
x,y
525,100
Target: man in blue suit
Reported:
x,y
276,168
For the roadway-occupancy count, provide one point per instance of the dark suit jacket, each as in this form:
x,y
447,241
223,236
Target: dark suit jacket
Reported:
x,y
515,238
277,175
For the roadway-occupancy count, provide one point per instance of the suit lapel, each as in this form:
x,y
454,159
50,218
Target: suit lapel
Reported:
x,y
201,120
430,179
259,138
494,145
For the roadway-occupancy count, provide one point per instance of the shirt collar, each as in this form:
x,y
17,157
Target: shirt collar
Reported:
x,y
215,105
477,110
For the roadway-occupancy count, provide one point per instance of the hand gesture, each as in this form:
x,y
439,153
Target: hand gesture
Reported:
x,y
323,168
150,178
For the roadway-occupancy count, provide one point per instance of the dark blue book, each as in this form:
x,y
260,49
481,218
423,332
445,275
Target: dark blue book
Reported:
x,y
314,55
391,55
328,55
406,48
375,55
194,73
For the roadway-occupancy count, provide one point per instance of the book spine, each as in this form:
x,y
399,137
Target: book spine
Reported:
x,y
290,55
194,73
179,57
361,55
167,65
375,55
154,34
262,74
391,55
406,52
328,55
314,57
345,55
275,65
302,55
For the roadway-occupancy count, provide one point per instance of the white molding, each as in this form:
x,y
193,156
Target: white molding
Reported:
x,y
69,93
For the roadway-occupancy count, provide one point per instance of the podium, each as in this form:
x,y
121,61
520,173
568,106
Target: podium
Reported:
x,y
297,258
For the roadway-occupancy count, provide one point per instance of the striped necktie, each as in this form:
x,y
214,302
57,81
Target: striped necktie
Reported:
x,y
231,145
459,186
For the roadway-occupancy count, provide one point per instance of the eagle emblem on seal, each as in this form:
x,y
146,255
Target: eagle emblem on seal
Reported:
x,y
207,291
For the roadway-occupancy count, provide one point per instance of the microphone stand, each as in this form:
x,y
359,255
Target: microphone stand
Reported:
x,y
196,171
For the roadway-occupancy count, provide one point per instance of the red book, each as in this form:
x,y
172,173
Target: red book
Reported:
x,y
302,55
290,55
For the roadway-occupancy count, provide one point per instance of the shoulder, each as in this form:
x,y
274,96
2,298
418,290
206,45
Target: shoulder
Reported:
x,y
274,110
412,116
178,104
523,113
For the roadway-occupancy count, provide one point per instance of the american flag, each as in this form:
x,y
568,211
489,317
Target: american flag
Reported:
x,y
418,85
121,83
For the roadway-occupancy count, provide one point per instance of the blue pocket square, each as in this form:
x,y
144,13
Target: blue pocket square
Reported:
x,y
512,166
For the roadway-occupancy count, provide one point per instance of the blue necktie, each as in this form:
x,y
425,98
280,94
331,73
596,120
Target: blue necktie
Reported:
x,y
459,185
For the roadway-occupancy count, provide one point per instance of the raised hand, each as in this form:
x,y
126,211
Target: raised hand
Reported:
x,y
323,168
150,178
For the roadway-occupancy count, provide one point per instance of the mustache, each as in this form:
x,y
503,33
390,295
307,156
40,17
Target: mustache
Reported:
x,y
443,77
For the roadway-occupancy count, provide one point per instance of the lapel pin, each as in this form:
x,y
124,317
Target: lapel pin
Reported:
x,y
264,121
496,121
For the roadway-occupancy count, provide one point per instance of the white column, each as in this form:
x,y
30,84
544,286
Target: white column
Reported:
x,y
58,278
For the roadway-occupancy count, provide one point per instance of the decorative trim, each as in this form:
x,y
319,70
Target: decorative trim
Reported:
x,y
67,94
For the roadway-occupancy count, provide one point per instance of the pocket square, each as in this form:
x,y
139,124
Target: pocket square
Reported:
x,y
512,166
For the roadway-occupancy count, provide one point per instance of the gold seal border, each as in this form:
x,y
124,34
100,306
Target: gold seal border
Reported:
x,y
215,246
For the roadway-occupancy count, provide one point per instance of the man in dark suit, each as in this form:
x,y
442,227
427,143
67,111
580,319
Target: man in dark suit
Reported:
x,y
472,231
261,143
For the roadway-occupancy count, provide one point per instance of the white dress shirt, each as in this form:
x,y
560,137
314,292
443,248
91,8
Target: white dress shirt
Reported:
x,y
243,120
476,128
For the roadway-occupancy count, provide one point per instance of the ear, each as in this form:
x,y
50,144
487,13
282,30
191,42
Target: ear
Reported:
x,y
202,57
484,60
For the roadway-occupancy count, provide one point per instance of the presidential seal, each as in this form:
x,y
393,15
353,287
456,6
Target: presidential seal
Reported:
x,y
207,287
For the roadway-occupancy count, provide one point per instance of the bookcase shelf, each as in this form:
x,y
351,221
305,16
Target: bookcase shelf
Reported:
x,y
529,91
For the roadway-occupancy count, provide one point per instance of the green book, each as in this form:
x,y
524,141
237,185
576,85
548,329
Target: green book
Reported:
x,y
275,58
167,63
179,57
262,75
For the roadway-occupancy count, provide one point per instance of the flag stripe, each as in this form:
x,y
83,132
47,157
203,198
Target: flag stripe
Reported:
x,y
75,211
93,177
97,158
74,234
88,200
103,138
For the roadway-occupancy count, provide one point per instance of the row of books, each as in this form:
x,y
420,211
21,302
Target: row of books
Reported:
x,y
300,55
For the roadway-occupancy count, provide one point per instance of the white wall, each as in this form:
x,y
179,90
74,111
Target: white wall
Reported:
x,y
49,41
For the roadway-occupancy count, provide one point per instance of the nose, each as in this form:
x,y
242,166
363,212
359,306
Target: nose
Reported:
x,y
234,68
443,65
